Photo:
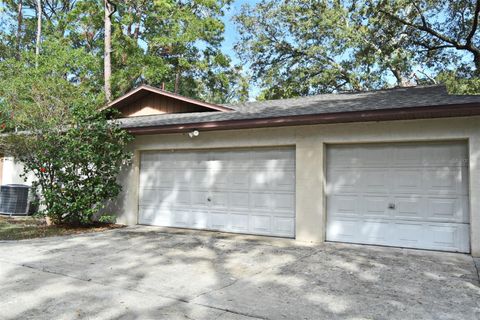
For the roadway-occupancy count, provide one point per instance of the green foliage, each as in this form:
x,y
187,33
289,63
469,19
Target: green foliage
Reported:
x,y
459,85
75,167
158,42
72,149
68,76
441,34
298,48
107,219
181,41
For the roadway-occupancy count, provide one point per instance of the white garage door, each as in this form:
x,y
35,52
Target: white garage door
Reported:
x,y
405,195
244,191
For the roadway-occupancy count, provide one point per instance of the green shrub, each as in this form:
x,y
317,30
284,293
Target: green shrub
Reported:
x,y
51,122
76,167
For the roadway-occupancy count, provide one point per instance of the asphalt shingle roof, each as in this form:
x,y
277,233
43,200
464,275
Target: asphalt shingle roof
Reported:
x,y
426,96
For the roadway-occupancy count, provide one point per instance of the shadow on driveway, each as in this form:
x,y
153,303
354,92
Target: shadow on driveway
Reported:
x,y
150,273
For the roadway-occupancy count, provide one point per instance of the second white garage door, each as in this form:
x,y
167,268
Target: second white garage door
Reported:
x,y
406,195
244,191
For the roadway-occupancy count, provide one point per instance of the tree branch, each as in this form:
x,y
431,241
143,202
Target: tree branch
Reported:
x,y
112,8
474,24
433,48
425,27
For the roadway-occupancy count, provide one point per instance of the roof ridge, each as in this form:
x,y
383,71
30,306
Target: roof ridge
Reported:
x,y
344,93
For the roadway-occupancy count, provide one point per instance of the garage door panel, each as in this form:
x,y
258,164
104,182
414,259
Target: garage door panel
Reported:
x,y
464,182
344,157
148,158
449,154
444,236
199,198
343,229
261,224
239,200
150,215
272,180
232,190
239,180
218,180
178,198
181,218
283,202
239,165
374,156
443,180
261,201
424,202
343,205
151,161
218,200
219,220
375,231
157,196
156,178
284,225
447,209
343,180
376,206
407,155
199,219
375,180
410,207
239,222
182,177
450,236
281,180
277,164
408,181
407,234
464,216
258,180
201,178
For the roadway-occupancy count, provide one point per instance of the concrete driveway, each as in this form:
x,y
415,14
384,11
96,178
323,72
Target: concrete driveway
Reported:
x,y
152,273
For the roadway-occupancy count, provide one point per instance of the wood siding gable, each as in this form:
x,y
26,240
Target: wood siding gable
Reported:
x,y
146,100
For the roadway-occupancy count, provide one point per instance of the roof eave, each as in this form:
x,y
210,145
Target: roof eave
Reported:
x,y
412,113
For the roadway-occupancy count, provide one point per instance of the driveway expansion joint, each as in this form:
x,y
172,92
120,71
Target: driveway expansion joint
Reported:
x,y
45,270
254,279
311,253
234,312
476,264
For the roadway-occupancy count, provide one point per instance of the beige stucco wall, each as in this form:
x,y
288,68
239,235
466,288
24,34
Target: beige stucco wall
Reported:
x,y
11,172
310,143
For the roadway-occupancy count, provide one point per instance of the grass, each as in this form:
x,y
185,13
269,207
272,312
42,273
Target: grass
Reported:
x,y
18,228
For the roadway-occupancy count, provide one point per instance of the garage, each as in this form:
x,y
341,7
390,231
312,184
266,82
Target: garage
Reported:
x,y
234,190
412,195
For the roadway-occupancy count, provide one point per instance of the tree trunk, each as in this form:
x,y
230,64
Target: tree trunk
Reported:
x,y
39,31
107,70
401,80
476,60
177,82
136,33
19,27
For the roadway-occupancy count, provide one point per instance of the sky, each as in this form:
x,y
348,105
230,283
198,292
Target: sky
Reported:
x,y
231,36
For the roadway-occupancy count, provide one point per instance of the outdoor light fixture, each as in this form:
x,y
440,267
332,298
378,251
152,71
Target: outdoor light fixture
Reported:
x,y
194,134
